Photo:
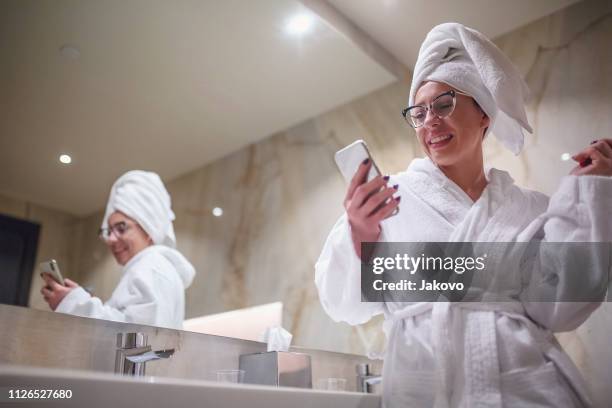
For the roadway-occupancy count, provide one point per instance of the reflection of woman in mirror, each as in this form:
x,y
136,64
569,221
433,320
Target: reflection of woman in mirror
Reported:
x,y
446,354
137,228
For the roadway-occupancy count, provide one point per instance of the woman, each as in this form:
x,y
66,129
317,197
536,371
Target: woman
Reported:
x,y
137,228
454,354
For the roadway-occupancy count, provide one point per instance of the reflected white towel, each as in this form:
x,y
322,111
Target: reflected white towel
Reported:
x,y
468,61
142,196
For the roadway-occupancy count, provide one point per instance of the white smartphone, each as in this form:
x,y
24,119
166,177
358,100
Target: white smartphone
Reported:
x,y
349,158
52,268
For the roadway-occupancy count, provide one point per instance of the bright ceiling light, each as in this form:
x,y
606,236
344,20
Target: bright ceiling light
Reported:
x,y
565,156
217,212
64,158
300,24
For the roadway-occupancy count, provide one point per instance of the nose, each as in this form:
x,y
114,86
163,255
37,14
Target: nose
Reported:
x,y
431,119
112,238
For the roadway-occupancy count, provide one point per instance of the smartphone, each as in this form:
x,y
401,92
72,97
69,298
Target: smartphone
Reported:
x,y
52,268
349,158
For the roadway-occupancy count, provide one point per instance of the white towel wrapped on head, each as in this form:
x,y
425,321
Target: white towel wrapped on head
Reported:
x,y
141,195
468,61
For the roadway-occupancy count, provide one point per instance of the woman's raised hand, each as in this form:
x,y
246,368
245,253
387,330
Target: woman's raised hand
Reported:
x,y
595,159
53,292
366,205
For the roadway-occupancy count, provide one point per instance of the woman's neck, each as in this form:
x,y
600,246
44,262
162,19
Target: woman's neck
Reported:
x,y
469,176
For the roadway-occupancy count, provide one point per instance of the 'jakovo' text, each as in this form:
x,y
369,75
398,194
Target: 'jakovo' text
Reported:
x,y
410,285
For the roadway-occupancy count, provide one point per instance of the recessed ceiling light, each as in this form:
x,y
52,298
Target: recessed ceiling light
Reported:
x,y
565,156
64,158
300,24
217,212
70,52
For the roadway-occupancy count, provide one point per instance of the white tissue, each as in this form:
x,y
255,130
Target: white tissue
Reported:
x,y
277,338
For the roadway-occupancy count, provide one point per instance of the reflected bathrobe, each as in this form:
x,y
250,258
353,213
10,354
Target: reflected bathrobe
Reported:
x,y
474,354
151,291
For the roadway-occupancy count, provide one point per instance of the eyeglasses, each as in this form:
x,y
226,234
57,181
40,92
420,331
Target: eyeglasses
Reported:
x,y
119,229
442,106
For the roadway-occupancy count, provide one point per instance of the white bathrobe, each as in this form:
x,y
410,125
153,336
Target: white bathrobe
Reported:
x,y
472,354
151,291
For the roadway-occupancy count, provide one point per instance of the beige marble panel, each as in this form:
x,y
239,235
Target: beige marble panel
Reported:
x,y
566,60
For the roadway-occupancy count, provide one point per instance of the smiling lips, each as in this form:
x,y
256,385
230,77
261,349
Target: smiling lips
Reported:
x,y
119,252
439,141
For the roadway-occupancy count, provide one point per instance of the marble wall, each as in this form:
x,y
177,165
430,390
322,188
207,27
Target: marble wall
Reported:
x,y
567,61
282,195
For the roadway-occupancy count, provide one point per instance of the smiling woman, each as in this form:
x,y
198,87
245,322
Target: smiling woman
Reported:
x,y
453,354
138,230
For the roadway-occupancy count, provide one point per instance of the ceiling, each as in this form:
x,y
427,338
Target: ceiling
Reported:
x,y
159,85
170,86
400,26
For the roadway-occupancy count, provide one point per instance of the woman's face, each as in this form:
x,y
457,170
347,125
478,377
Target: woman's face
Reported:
x,y
465,126
127,239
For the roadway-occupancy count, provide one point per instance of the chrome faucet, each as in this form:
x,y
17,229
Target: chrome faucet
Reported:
x,y
133,353
365,379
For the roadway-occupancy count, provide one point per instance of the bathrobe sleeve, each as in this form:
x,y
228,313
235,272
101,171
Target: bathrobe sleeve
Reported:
x,y
147,294
338,278
580,211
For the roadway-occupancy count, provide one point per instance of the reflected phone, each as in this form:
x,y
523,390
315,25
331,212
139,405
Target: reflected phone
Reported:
x,y
52,268
349,158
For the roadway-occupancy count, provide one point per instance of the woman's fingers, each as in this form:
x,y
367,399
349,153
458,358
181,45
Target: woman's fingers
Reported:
x,y
70,283
596,159
359,178
387,210
586,156
46,292
607,141
51,283
604,147
595,164
376,201
364,191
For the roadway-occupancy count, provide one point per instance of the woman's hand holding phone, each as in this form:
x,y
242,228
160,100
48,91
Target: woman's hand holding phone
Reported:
x,y
53,292
367,204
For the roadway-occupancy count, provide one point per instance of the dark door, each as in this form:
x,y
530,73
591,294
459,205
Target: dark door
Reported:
x,y
18,243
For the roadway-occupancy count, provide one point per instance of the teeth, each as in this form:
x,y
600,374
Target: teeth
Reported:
x,y
439,139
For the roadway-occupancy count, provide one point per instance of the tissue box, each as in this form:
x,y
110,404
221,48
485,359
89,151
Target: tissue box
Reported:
x,y
280,368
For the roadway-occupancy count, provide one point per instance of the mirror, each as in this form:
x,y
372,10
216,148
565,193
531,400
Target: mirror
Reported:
x,y
226,103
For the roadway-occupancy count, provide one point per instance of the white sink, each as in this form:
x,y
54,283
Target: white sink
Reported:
x,y
106,390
